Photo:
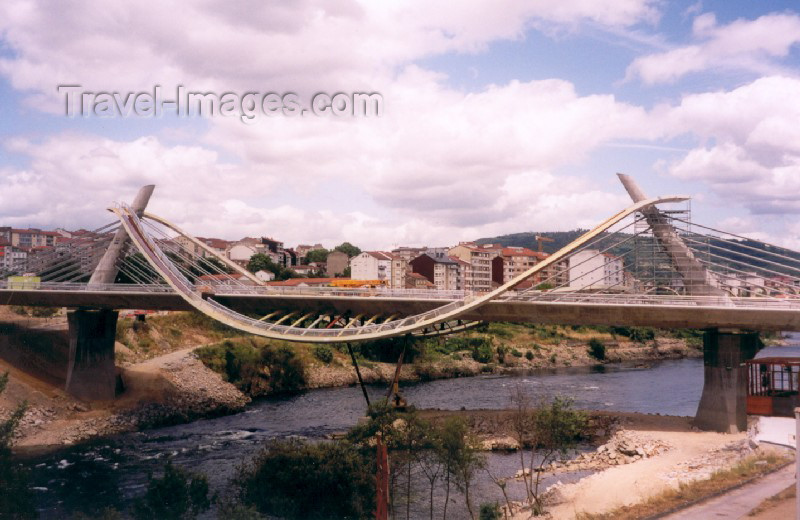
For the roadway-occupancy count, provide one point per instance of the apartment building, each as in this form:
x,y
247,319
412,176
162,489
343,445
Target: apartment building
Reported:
x,y
30,238
444,272
371,265
12,259
591,270
478,271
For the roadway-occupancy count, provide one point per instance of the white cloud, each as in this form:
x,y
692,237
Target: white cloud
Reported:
x,y
302,46
750,155
443,166
751,45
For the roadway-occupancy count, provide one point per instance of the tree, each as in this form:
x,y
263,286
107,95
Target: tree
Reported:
x,y
261,262
550,430
209,264
295,479
135,269
348,249
460,459
317,256
347,272
15,497
556,428
178,495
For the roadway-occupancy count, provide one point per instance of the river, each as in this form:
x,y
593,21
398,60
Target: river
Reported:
x,y
113,471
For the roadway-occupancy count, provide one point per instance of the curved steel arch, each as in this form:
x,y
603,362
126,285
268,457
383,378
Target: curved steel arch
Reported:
x,y
451,311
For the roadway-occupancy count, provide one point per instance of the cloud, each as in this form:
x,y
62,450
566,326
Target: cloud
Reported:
x,y
442,166
303,46
750,154
439,151
749,45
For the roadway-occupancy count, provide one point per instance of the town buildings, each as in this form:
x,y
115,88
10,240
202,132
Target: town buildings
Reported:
x,y
372,265
444,272
478,265
336,264
591,270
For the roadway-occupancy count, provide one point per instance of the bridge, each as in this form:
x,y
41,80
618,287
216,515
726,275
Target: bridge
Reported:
x,y
648,265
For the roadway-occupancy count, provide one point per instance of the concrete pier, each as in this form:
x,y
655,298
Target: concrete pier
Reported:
x,y
90,373
722,406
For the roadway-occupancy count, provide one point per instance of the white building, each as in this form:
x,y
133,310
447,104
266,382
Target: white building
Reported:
x,y
371,265
241,253
265,276
12,259
591,270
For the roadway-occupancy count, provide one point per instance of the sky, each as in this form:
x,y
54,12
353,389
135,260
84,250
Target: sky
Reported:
x,y
497,117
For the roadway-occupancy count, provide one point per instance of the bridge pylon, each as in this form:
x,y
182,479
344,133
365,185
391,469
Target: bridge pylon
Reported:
x,y
723,404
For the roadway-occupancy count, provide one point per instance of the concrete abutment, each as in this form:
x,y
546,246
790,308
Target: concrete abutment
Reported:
x,y
723,406
91,374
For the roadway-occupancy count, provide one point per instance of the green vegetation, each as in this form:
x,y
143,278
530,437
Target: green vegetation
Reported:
x,y
482,353
548,431
172,331
178,495
261,262
323,353
317,256
348,249
529,355
490,511
516,353
296,479
597,349
16,500
256,366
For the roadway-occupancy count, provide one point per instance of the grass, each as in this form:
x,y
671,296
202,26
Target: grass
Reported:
x,y
686,493
786,494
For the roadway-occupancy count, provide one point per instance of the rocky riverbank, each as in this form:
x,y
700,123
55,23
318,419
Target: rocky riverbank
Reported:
x,y
176,389
566,353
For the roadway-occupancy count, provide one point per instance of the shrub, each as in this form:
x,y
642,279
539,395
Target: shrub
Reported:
x,y
597,349
529,355
516,353
501,330
178,495
490,511
323,353
552,358
295,479
501,353
388,349
482,353
256,367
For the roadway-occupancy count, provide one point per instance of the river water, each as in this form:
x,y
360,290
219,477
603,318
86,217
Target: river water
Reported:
x,y
114,471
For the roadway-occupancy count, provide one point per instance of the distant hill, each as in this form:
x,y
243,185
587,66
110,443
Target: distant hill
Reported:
x,y
755,255
560,239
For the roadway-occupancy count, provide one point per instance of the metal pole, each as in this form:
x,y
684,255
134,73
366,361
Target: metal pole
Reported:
x,y
797,462
358,373
393,388
381,480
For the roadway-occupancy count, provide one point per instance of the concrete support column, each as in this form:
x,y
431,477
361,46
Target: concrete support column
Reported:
x,y
723,403
90,373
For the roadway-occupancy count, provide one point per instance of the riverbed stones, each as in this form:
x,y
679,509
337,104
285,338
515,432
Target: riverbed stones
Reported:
x,y
624,447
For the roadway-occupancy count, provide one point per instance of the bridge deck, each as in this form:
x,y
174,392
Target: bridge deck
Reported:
x,y
671,313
